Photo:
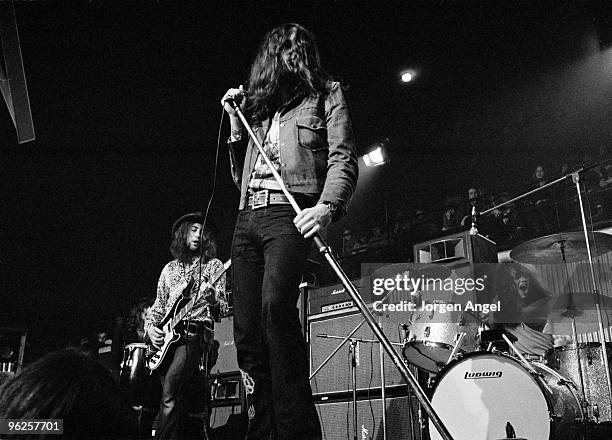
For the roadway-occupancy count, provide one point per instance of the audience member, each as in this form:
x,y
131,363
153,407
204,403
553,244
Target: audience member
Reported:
x,y
451,219
72,386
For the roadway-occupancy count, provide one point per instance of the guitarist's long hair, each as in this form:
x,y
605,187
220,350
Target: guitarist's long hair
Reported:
x,y
180,250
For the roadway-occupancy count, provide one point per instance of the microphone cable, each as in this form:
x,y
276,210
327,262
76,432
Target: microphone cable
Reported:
x,y
200,265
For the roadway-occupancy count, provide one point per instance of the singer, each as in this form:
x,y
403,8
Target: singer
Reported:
x,y
302,119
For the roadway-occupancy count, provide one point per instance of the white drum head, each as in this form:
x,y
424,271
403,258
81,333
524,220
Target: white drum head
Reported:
x,y
478,397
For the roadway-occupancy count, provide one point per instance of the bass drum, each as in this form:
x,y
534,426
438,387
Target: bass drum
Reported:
x,y
490,396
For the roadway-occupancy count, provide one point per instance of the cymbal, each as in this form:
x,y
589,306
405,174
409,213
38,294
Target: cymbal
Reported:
x,y
551,248
414,270
583,310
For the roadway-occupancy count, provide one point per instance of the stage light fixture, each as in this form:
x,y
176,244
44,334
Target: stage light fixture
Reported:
x,y
406,77
374,158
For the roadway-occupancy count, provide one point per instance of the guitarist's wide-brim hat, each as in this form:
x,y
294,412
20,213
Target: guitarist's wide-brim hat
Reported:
x,y
192,217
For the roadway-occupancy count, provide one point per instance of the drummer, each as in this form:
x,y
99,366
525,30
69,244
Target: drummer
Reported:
x,y
524,308
130,330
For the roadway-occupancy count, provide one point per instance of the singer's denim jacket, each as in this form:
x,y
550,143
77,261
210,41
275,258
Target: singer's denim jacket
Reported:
x,y
317,149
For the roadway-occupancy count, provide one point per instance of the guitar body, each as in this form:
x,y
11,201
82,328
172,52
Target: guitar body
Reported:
x,y
156,356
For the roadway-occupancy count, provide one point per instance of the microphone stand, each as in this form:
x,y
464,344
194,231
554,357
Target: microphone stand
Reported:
x,y
325,250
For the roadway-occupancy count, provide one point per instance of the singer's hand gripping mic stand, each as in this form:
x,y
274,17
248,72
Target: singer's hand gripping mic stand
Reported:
x,y
350,288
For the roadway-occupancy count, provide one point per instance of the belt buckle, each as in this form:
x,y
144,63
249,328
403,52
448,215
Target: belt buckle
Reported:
x,y
261,199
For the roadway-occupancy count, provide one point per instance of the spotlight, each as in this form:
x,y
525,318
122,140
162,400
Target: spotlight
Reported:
x,y
374,158
406,77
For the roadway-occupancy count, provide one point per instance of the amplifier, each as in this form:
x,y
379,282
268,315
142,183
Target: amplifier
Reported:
x,y
335,377
335,298
225,388
227,419
337,419
224,334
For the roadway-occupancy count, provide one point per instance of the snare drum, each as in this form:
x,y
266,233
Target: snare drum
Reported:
x,y
434,334
565,361
491,396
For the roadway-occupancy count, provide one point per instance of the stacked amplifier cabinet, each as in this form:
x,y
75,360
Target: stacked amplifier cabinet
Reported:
x,y
331,317
225,384
337,419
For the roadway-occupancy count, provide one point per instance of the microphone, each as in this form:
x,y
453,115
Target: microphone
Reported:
x,y
234,101
474,229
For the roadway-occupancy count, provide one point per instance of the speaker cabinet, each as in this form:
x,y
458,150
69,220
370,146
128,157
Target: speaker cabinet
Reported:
x,y
335,377
456,249
337,419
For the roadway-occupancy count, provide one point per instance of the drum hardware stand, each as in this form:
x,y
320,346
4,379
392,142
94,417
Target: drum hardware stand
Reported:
x,y
383,383
575,177
352,349
456,347
571,312
325,250
421,423
524,361
602,334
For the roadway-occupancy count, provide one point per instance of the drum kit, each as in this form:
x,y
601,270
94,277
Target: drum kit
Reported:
x,y
481,392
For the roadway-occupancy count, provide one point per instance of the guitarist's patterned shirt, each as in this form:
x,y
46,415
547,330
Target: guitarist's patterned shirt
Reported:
x,y
174,278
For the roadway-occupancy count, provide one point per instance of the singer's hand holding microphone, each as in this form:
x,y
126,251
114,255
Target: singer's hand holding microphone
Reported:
x,y
237,95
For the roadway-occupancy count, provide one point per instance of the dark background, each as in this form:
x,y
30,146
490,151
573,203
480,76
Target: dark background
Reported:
x,y
125,102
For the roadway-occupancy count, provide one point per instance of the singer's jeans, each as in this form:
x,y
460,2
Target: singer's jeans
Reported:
x,y
268,255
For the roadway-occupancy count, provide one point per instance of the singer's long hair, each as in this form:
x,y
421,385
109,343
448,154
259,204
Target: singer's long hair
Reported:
x,y
271,84
180,250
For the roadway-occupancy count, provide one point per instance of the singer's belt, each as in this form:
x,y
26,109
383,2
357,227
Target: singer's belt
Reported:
x,y
265,197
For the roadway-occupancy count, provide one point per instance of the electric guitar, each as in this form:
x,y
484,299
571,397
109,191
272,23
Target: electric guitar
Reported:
x,y
184,303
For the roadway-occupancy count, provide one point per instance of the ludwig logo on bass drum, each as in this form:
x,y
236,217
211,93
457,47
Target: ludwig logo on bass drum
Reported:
x,y
483,374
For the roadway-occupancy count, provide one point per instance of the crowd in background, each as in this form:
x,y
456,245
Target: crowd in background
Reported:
x,y
550,210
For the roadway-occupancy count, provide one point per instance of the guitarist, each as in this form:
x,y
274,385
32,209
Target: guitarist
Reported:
x,y
194,252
